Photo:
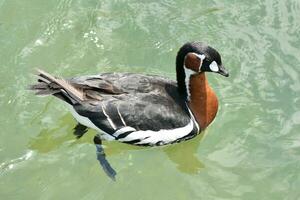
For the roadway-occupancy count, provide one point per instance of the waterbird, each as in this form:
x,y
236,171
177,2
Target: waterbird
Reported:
x,y
139,109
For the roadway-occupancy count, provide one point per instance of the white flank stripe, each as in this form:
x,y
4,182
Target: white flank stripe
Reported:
x,y
123,130
121,117
165,135
153,137
108,118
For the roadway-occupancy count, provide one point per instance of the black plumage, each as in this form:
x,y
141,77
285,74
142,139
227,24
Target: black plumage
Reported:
x,y
147,103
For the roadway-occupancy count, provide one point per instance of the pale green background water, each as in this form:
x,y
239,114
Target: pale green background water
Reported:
x,y
251,151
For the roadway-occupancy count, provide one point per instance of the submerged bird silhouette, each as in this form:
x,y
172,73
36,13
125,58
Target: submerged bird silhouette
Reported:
x,y
138,109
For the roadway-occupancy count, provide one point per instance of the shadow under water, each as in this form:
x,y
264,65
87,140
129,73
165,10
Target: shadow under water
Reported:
x,y
51,139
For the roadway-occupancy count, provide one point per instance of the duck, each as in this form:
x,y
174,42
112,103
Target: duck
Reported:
x,y
139,109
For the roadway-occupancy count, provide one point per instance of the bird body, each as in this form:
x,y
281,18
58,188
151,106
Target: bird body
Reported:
x,y
143,109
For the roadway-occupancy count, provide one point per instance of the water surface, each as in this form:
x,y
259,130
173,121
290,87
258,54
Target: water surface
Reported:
x,y
251,151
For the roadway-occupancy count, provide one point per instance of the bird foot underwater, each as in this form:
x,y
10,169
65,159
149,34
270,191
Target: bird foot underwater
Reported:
x,y
101,157
79,131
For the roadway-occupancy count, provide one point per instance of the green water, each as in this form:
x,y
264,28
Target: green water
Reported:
x,y
251,151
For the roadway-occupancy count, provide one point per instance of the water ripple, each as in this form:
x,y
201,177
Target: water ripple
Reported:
x,y
15,163
251,147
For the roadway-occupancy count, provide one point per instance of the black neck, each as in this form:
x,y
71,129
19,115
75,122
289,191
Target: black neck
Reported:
x,y
185,49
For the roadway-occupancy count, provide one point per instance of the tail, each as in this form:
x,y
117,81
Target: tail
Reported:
x,y
50,85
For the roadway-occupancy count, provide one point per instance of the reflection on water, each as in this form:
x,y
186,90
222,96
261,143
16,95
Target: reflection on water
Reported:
x,y
51,139
252,146
185,155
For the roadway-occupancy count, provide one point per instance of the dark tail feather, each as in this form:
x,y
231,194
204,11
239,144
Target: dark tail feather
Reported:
x,y
50,85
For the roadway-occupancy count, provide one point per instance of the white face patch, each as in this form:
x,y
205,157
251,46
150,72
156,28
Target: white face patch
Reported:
x,y
214,66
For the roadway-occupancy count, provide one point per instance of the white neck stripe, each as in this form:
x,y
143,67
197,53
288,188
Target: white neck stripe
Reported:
x,y
188,74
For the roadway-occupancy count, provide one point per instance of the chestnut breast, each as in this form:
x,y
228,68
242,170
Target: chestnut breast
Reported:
x,y
203,101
